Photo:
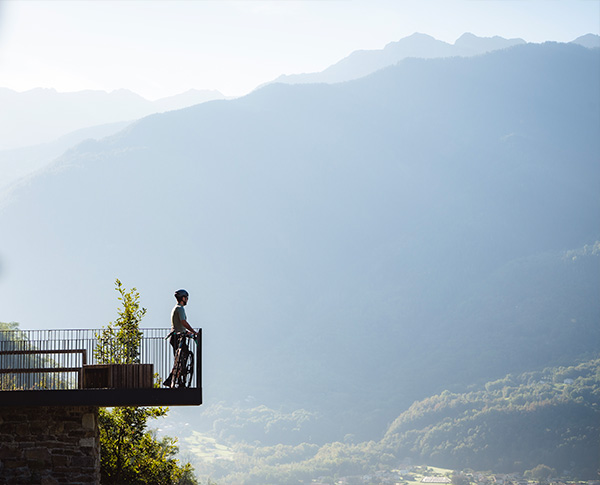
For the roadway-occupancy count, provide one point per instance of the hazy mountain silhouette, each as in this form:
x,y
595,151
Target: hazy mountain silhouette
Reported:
x,y
590,41
349,248
21,162
186,99
364,62
42,115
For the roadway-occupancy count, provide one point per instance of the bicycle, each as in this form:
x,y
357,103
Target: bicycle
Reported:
x,y
183,367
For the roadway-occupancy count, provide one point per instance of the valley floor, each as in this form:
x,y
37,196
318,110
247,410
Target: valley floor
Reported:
x,y
418,475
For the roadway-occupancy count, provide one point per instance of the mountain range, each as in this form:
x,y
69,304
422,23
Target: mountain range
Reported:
x,y
40,124
349,248
42,115
20,163
363,62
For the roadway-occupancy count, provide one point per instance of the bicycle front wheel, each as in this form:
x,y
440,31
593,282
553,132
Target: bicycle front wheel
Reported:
x,y
189,369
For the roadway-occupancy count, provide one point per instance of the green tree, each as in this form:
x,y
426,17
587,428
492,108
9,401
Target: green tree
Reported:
x,y
119,343
540,472
13,338
9,326
459,478
8,332
129,452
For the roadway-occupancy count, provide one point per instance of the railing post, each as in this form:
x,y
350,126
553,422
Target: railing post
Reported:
x,y
199,363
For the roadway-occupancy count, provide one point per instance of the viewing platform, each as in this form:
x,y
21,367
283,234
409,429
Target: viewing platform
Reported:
x,y
61,368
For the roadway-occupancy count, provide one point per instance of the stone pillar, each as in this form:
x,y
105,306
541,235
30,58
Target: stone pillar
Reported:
x,y
49,445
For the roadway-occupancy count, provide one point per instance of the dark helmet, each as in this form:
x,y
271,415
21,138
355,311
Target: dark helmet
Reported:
x,y
181,293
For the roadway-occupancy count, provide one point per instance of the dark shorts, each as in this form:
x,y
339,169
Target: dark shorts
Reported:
x,y
175,339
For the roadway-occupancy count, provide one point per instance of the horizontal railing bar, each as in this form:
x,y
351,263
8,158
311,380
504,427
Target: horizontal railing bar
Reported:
x,y
40,370
49,351
77,330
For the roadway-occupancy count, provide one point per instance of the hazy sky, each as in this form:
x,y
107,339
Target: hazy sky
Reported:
x,y
159,48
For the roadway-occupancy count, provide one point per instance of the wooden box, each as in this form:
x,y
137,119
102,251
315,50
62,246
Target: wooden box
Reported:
x,y
117,376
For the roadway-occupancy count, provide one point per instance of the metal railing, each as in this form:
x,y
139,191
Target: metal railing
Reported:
x,y
53,359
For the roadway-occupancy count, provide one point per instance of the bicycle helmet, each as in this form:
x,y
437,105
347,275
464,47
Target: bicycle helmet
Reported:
x,y
181,293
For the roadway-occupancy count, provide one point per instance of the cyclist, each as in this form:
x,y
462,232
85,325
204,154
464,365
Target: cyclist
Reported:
x,y
179,323
179,326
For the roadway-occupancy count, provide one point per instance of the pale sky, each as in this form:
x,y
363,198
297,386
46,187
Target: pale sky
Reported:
x,y
161,48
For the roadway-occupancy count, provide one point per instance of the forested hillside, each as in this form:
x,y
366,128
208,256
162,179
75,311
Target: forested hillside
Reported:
x,y
514,424
550,417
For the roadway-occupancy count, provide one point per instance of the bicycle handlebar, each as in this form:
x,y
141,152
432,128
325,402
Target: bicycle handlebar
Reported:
x,y
186,334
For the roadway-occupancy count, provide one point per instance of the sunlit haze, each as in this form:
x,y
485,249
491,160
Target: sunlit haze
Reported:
x,y
159,48
385,212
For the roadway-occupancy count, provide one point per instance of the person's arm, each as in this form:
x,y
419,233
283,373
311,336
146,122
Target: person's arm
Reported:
x,y
188,326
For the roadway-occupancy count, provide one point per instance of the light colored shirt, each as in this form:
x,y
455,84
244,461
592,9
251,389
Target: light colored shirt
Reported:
x,y
177,315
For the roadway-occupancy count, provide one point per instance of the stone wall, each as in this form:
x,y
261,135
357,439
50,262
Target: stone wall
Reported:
x,y
49,445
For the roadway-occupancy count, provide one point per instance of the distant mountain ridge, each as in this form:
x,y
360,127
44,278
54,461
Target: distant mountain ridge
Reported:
x,y
363,62
43,115
591,41
20,163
